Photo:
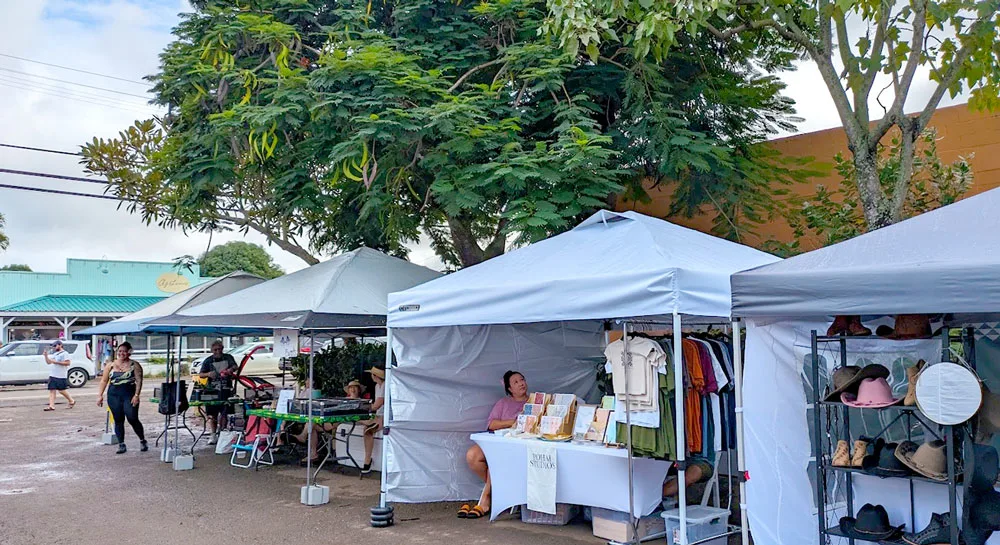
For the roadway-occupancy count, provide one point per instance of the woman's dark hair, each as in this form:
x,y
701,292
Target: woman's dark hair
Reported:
x,y
506,380
127,345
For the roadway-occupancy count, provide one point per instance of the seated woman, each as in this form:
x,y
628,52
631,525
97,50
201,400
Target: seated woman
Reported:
x,y
354,389
503,415
373,426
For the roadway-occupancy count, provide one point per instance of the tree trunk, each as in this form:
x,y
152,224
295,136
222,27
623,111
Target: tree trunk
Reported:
x,y
877,211
466,246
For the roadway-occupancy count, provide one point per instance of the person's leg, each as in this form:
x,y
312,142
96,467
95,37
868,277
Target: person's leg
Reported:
x,y
116,404
369,436
132,414
69,398
693,475
476,460
52,399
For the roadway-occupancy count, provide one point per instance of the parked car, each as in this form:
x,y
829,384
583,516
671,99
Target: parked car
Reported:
x,y
21,362
261,363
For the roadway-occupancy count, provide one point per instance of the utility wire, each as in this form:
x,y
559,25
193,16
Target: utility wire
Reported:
x,y
54,176
74,69
69,97
40,149
74,83
58,192
80,93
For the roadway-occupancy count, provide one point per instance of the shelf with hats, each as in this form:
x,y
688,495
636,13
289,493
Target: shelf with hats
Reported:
x,y
937,460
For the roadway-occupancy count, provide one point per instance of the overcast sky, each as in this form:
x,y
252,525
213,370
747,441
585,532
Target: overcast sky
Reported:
x,y
123,38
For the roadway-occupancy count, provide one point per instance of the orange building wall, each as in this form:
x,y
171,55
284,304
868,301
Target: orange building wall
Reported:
x,y
961,132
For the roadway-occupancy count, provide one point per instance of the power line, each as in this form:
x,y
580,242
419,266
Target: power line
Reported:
x,y
81,93
74,83
40,149
54,176
74,69
69,97
58,192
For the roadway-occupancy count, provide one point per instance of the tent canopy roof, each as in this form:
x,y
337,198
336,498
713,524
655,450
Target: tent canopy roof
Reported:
x,y
943,261
136,322
346,292
613,265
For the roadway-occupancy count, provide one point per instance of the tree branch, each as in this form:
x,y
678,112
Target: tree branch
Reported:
x,y
910,133
281,242
949,78
473,70
752,25
876,48
825,27
912,63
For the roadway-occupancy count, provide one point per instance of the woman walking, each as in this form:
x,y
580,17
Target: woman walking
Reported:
x,y
125,378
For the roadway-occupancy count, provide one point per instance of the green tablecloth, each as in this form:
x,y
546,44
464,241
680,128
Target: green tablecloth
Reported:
x,y
290,417
230,401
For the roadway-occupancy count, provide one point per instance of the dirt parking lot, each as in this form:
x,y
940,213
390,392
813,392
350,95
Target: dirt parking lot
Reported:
x,y
58,485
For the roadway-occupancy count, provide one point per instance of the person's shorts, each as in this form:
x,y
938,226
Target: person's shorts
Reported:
x,y
58,383
706,468
214,410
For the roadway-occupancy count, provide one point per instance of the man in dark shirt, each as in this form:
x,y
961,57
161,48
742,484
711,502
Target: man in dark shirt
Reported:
x,y
219,368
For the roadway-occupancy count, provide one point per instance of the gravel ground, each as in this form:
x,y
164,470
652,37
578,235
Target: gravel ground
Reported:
x,y
58,485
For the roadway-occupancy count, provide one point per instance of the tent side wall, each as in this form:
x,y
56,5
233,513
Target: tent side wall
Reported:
x,y
446,382
777,417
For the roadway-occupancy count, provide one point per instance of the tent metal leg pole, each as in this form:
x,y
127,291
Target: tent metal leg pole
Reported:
x,y
177,396
309,429
385,420
627,360
740,447
681,392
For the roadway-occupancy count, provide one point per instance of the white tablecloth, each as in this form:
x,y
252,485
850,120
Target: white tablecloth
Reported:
x,y
591,475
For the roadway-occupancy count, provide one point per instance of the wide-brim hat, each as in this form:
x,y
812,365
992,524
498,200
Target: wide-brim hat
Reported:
x,y
882,462
361,387
873,393
871,524
907,326
928,459
377,371
850,376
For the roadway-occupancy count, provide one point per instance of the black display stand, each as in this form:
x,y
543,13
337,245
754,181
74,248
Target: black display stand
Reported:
x,y
950,434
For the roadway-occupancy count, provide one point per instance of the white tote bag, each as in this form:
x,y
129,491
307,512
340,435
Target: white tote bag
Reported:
x,y
226,441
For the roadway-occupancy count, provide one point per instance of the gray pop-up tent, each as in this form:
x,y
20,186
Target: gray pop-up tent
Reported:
x,y
135,323
347,294
941,262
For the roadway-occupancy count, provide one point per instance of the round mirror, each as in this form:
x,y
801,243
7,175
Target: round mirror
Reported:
x,y
948,393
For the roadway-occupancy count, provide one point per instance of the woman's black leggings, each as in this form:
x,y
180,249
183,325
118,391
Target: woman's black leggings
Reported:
x,y
120,403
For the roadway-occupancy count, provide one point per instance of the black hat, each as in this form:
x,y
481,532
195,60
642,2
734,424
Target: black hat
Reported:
x,y
847,378
882,462
871,524
984,516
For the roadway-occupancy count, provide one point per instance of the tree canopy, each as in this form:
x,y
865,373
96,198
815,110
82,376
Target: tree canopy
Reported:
x,y
4,241
16,267
865,50
328,125
239,256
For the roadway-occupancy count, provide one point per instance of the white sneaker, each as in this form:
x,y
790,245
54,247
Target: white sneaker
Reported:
x,y
214,439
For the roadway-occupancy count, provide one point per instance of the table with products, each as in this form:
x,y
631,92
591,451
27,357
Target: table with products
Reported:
x,y
329,440
587,473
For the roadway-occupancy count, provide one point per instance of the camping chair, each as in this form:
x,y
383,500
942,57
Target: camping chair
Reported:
x,y
256,442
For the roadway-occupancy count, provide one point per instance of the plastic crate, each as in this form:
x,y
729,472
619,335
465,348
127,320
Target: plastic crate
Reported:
x,y
702,523
564,513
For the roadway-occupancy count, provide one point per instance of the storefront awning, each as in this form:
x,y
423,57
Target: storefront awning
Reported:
x,y
80,304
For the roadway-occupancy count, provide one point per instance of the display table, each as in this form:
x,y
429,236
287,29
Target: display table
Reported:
x,y
329,440
592,475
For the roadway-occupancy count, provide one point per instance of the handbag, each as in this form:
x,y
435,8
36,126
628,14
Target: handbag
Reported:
x,y
168,391
226,441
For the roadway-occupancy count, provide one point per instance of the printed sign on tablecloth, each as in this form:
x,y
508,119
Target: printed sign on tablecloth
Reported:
x,y
542,477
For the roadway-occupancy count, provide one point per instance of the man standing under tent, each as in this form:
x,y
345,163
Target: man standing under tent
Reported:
x,y
217,368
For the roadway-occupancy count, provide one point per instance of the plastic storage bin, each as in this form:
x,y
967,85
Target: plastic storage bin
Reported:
x,y
564,513
702,523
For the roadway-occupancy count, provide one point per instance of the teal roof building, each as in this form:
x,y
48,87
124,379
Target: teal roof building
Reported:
x,y
39,305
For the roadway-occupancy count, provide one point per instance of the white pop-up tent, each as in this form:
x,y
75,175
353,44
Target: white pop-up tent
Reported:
x,y
541,310
941,262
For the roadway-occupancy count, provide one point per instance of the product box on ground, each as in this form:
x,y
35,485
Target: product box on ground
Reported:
x,y
614,525
702,523
564,513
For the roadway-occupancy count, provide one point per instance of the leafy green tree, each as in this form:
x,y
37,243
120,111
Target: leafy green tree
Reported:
x,y
325,125
4,241
956,41
239,256
16,267
833,215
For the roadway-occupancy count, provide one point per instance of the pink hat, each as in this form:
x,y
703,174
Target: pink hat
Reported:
x,y
872,393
